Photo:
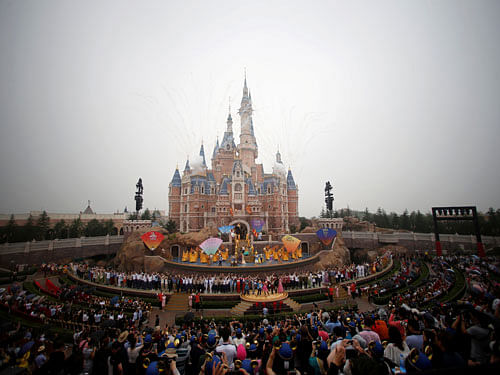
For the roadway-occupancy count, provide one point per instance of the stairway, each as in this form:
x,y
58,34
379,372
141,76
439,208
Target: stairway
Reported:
x,y
241,307
177,302
294,305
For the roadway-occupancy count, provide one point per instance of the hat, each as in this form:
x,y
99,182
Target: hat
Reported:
x,y
323,347
252,348
123,336
261,331
285,352
211,341
209,364
193,339
171,351
238,331
418,360
376,348
241,352
148,338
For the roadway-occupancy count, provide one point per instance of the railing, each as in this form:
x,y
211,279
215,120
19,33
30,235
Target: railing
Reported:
x,y
26,247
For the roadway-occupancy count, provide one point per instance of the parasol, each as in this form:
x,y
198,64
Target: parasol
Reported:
x,y
210,245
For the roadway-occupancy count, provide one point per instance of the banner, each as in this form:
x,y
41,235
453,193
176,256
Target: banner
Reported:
x,y
326,235
152,239
257,224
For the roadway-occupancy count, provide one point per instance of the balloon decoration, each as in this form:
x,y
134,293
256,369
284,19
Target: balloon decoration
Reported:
x,y
257,224
211,245
152,239
326,235
226,228
291,243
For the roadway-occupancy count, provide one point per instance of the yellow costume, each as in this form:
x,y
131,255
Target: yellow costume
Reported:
x,y
203,258
299,252
285,256
185,256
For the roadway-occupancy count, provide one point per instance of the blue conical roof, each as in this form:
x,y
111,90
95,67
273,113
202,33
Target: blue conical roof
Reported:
x,y
176,180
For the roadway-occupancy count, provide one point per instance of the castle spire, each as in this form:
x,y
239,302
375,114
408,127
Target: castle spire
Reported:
x,y
202,154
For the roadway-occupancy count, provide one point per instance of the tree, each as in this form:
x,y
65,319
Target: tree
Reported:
x,y
293,229
61,229
43,226
366,215
146,215
11,230
29,230
94,228
395,222
405,221
108,226
76,228
133,216
304,222
170,226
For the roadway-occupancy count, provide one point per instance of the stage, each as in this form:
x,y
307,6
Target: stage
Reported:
x,y
242,268
263,298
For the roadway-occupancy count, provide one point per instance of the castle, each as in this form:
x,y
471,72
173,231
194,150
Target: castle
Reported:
x,y
235,189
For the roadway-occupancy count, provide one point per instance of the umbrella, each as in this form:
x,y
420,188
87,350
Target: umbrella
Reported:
x,y
449,269
210,245
291,243
475,272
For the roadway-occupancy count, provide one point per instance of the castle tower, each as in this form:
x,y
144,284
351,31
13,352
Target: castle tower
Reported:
x,y
174,197
248,144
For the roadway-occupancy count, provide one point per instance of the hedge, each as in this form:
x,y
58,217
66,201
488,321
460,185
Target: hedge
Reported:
x,y
254,318
218,304
310,298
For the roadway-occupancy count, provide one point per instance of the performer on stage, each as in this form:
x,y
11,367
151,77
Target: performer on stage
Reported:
x,y
280,287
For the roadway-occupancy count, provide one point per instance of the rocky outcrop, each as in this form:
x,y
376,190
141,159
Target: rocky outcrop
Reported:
x,y
135,256
339,256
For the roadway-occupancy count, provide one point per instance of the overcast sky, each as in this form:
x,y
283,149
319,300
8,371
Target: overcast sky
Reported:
x,y
397,103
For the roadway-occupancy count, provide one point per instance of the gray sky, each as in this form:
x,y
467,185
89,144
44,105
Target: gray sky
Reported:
x,y
395,102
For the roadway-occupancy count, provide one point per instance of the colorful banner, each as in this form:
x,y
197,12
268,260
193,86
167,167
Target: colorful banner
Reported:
x,y
291,243
226,228
152,239
211,245
326,235
257,224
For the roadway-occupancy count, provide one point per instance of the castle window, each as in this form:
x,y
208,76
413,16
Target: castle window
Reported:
x,y
228,147
258,191
212,191
237,174
185,208
185,190
269,190
202,206
202,190
213,209
237,187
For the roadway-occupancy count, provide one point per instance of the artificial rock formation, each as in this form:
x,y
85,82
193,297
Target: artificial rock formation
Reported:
x,y
337,257
135,256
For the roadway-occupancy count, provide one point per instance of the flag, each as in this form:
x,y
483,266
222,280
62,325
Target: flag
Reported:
x,y
249,210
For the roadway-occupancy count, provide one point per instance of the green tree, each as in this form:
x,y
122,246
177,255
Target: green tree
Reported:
x,y
29,230
395,222
43,226
293,229
366,215
405,221
94,228
108,226
304,222
11,230
170,226
146,215
133,216
76,228
61,230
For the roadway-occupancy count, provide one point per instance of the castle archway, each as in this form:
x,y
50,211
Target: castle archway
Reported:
x,y
241,227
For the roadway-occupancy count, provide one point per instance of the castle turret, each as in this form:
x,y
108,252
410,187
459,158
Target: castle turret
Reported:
x,y
202,154
174,197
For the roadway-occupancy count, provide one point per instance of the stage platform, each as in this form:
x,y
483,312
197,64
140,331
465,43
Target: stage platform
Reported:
x,y
263,298
242,268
